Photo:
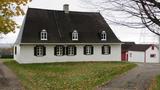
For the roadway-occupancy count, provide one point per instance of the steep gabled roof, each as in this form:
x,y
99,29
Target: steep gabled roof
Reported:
x,y
19,38
60,25
139,47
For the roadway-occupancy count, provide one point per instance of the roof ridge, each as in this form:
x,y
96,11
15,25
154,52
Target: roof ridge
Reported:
x,y
62,10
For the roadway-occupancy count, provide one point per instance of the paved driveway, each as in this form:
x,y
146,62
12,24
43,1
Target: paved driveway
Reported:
x,y
8,81
138,78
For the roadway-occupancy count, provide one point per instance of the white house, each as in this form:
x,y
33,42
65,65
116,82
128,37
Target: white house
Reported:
x,y
143,53
65,36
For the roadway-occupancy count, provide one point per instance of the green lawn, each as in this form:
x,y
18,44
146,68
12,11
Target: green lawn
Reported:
x,y
157,83
67,76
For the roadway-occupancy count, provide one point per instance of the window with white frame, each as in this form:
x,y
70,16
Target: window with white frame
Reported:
x,y
39,50
106,49
59,50
71,50
103,36
88,50
75,35
15,50
43,35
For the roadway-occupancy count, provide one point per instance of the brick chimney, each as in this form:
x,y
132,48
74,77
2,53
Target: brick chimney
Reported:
x,y
66,8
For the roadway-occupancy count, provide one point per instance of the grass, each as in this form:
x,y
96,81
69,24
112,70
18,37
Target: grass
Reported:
x,y
67,76
156,83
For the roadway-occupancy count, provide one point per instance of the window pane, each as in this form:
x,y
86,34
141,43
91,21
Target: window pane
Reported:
x,y
39,51
88,50
71,50
106,49
75,35
103,35
43,35
153,55
59,50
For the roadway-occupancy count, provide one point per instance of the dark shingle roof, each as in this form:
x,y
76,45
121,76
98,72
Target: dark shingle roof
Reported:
x,y
127,45
139,47
60,26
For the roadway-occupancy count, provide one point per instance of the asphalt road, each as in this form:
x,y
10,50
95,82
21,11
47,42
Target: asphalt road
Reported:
x,y
138,78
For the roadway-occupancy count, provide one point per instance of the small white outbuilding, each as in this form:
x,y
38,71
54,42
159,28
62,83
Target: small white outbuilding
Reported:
x,y
143,53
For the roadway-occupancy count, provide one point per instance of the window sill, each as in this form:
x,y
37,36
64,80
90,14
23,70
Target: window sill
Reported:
x,y
103,40
40,56
70,55
58,55
43,39
74,39
88,54
105,54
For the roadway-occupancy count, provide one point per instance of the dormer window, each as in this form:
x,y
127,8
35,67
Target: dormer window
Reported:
x,y
103,36
43,35
75,35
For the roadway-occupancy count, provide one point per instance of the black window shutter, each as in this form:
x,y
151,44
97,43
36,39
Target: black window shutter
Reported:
x,y
109,48
44,50
75,50
92,50
63,50
84,50
67,50
102,49
35,51
55,50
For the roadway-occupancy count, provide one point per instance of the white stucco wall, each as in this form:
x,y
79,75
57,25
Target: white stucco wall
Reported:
x,y
136,56
149,59
26,55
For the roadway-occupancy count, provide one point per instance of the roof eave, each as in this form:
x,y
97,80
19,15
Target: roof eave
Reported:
x,y
66,43
19,38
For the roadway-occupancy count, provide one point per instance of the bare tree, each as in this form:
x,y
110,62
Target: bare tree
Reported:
x,y
137,13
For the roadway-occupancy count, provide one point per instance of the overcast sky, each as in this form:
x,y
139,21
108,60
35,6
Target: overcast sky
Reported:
x,y
123,33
